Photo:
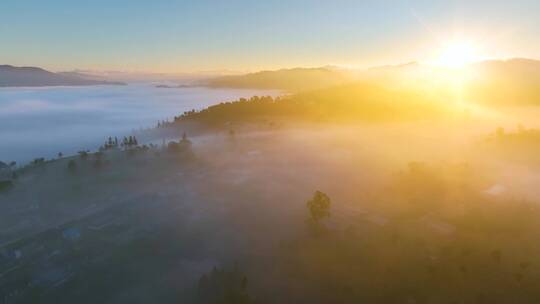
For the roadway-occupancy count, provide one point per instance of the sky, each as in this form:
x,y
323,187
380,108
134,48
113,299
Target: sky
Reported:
x,y
176,36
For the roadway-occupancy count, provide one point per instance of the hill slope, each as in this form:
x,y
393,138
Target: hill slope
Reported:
x,y
405,92
286,79
11,76
513,81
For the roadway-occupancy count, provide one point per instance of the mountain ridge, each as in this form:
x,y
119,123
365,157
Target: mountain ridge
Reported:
x,y
29,76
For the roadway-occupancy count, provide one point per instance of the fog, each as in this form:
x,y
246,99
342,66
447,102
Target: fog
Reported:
x,y
41,122
237,196
437,202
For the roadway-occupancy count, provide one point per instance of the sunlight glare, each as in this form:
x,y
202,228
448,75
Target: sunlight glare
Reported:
x,y
457,55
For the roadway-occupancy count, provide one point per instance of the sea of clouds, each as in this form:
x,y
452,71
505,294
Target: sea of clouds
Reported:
x,y
41,122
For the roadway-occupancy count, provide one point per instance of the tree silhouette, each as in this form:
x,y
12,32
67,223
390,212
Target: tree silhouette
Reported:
x,y
83,154
224,287
319,206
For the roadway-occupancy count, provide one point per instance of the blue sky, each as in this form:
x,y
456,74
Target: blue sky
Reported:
x,y
186,36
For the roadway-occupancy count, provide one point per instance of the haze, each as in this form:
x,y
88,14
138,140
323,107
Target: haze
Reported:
x,y
240,152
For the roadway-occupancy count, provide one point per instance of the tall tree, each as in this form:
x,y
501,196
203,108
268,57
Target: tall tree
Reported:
x,y
319,206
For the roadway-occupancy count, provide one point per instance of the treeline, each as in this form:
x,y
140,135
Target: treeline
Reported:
x,y
128,147
114,143
521,135
356,102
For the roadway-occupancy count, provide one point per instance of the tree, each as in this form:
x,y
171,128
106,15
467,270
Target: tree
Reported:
x,y
83,154
6,185
319,206
72,166
223,286
38,161
60,154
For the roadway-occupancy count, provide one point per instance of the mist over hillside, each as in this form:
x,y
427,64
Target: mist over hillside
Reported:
x,y
382,188
269,210
407,183
270,152
506,82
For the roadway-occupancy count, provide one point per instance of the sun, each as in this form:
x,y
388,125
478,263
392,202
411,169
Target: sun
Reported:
x,y
457,54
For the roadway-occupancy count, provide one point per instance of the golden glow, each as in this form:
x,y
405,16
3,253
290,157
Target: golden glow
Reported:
x,y
457,54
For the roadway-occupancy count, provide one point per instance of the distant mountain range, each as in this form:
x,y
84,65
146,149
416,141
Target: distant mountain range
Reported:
x,y
388,93
493,81
295,79
504,82
526,70
11,76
